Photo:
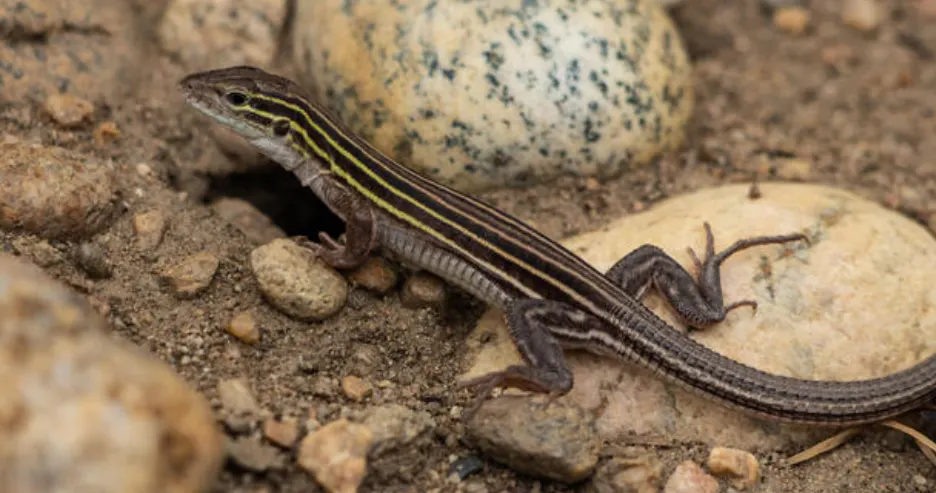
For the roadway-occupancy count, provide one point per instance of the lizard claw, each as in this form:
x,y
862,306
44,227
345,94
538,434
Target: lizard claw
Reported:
x,y
328,241
516,376
739,304
695,258
485,385
335,254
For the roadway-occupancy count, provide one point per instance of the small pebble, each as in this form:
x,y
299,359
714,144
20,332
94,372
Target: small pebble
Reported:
x,y
149,228
244,326
296,282
355,388
919,480
864,15
394,426
690,478
376,274
423,290
237,398
554,441
105,133
68,111
792,19
628,475
336,454
192,275
92,259
740,466
466,466
143,169
252,455
838,55
281,432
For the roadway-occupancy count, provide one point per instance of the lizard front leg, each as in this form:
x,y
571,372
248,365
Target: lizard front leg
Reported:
x,y
360,225
700,304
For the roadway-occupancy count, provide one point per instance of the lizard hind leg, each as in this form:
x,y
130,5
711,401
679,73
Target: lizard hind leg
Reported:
x,y
536,327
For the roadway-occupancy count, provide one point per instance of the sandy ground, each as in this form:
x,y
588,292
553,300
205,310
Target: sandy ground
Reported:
x,y
856,107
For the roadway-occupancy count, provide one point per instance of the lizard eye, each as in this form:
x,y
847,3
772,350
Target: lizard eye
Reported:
x,y
281,128
236,98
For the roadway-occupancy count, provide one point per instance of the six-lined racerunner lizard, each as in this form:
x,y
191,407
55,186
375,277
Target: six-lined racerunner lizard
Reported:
x,y
552,298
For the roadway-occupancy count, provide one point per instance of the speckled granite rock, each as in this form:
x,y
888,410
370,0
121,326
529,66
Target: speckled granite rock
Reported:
x,y
80,47
500,92
819,314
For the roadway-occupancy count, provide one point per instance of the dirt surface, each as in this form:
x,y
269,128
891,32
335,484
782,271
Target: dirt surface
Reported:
x,y
856,107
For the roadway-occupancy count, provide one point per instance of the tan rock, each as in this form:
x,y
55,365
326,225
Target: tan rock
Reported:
x,y
237,397
423,290
740,466
297,283
395,427
192,275
244,326
376,274
85,413
864,15
355,388
690,478
816,316
336,454
53,192
105,133
791,18
68,111
548,440
628,475
281,432
149,227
